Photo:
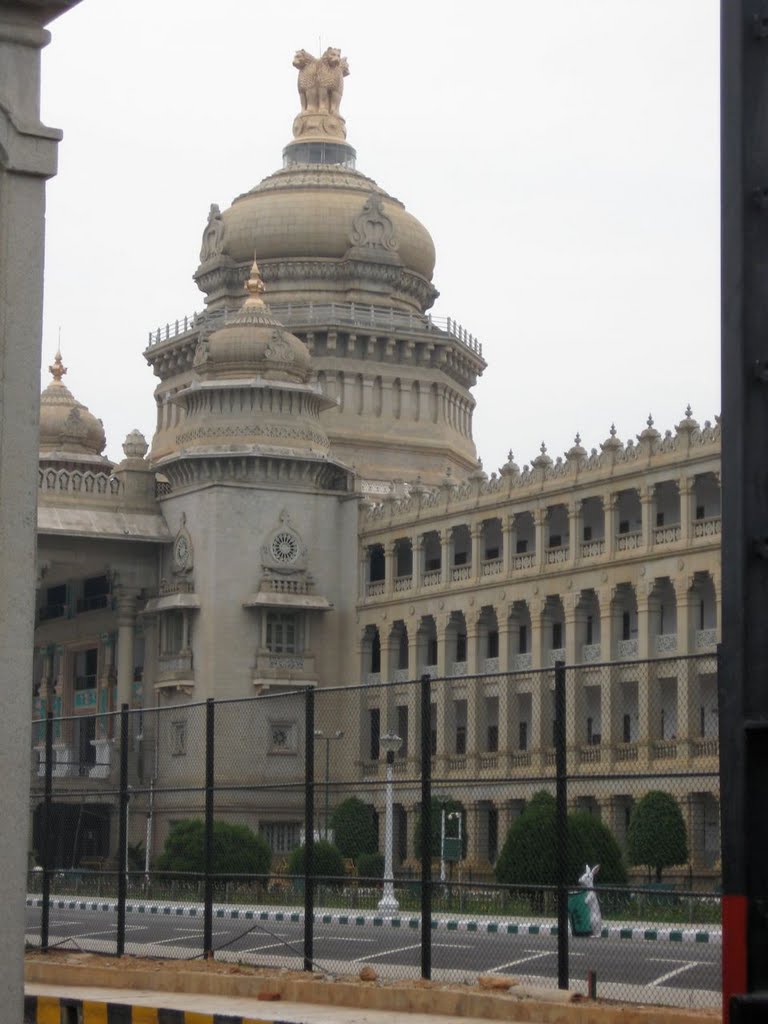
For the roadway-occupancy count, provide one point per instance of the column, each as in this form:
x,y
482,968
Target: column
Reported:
x,y
126,628
648,514
476,533
502,624
607,625
509,542
106,681
574,530
643,625
417,545
446,545
573,634
387,660
685,488
473,663
537,606
441,625
609,518
539,518
389,566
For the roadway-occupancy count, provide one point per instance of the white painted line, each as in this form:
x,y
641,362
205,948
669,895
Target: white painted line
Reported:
x,y
256,949
386,952
346,938
452,945
678,970
522,960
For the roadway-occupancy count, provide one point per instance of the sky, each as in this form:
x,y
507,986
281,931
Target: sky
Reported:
x,y
563,155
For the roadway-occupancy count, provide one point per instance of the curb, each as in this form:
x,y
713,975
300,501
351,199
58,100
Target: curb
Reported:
x,y
712,936
53,1009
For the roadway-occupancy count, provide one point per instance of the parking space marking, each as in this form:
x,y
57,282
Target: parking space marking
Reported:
x,y
386,952
672,974
522,960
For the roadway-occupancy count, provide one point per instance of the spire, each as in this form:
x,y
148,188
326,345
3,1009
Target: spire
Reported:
x,y
255,288
58,369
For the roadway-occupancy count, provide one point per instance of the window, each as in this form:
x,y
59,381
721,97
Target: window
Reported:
x,y
86,731
461,647
626,727
461,739
701,615
402,728
95,594
460,558
376,563
282,633
659,518
376,653
172,632
700,511
522,640
555,540
491,553
522,735
432,651
178,738
593,738
590,630
624,526
557,635
86,669
587,533
702,721
282,836
432,564
374,733
521,547
55,603
493,644
492,744
625,625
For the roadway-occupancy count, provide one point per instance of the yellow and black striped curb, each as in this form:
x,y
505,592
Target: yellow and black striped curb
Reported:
x,y
55,1010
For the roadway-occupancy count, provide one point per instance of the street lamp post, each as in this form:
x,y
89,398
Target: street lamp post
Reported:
x,y
390,744
321,736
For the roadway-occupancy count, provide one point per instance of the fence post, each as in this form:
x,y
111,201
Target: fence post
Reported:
x,y
561,827
45,917
426,827
309,828
208,852
122,840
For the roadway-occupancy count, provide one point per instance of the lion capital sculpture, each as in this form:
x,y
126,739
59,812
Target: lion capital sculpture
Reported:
x,y
321,81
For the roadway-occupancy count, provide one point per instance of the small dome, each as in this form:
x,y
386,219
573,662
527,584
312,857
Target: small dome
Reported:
x,y
253,344
68,431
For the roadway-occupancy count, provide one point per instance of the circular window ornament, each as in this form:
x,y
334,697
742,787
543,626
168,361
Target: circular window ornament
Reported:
x,y
285,547
181,551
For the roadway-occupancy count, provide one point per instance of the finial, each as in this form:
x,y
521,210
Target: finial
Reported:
x,y
58,370
543,448
577,439
688,410
649,421
255,287
510,456
612,431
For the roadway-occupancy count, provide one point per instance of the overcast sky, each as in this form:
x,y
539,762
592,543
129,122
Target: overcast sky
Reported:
x,y
563,155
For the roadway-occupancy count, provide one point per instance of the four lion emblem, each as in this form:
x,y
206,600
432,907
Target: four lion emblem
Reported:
x,y
321,81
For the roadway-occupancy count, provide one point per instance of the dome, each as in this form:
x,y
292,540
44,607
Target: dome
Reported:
x,y
253,344
68,431
313,210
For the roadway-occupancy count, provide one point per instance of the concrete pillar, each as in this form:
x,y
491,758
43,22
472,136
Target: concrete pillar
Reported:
x,y
389,566
609,516
476,533
685,487
418,559
502,624
509,543
27,159
574,530
126,631
446,561
539,519
472,652
648,514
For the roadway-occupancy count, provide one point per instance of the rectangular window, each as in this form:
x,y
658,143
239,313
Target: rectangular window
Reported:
x,y
493,644
282,633
659,518
95,594
461,647
491,553
626,727
701,615
432,564
55,603
555,540
521,547
282,836
493,739
589,730
587,533
702,720
589,630
625,626
172,632
86,669
522,735
557,635
699,511
461,739
460,558
624,526
374,733
402,728
522,642
432,651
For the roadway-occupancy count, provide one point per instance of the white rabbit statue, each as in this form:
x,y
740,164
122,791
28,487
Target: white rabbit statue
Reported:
x,y
587,881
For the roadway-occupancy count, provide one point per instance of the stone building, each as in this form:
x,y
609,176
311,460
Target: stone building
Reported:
x,y
312,513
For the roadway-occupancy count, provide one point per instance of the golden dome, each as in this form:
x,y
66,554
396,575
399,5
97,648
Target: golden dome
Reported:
x,y
67,428
253,344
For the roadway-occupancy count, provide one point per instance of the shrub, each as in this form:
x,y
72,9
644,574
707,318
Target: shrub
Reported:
x,y
328,862
354,828
237,850
656,834
371,865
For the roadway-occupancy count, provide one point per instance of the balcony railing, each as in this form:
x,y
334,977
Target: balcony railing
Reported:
x,y
627,752
627,648
492,567
590,652
556,654
52,611
173,664
705,639
665,643
93,603
666,534
461,572
707,746
403,583
664,749
490,665
523,759
526,561
557,555
374,589
432,578
522,662
589,754
629,541
709,527
592,548
458,668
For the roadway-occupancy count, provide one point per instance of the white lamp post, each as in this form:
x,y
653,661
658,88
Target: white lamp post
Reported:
x,y
336,736
390,744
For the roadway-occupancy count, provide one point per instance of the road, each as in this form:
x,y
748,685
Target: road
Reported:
x,y
664,972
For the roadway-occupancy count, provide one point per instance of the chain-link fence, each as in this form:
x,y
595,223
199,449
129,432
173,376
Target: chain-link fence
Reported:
x,y
456,826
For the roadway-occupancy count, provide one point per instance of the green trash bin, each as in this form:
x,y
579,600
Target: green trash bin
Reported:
x,y
578,913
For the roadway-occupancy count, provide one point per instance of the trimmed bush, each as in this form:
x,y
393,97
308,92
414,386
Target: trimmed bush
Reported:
x,y
656,834
371,865
354,828
328,862
237,850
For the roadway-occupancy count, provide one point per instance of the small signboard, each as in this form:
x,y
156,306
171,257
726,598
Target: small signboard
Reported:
x,y
451,850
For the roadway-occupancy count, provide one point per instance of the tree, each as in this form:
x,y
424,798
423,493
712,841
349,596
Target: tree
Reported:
x,y
656,834
328,862
440,804
354,828
236,849
529,853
